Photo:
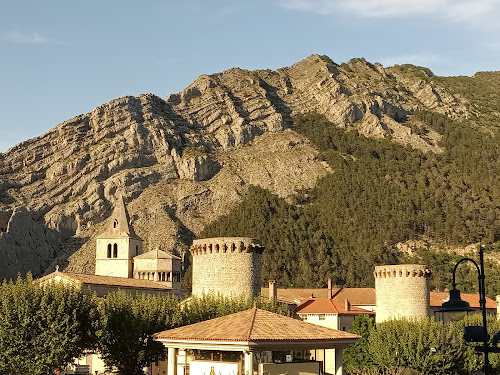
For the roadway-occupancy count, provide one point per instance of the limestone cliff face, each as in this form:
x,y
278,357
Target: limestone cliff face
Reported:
x,y
184,161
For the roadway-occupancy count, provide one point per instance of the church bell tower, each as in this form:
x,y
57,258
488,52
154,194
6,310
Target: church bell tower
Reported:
x,y
116,247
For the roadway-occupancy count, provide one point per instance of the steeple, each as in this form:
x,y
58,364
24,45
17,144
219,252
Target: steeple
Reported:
x,y
119,222
116,247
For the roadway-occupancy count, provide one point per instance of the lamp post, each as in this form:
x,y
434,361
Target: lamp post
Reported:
x,y
456,304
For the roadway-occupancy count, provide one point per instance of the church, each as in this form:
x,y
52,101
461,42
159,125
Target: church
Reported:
x,y
120,263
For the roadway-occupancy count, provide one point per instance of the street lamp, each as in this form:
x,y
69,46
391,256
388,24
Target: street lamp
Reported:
x,y
456,304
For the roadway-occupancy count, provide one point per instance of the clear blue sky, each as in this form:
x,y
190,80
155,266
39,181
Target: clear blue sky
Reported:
x,y
63,58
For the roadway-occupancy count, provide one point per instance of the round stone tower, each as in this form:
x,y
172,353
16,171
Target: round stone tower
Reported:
x,y
229,266
402,291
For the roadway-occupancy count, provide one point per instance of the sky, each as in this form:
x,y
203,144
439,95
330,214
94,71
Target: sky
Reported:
x,y
59,59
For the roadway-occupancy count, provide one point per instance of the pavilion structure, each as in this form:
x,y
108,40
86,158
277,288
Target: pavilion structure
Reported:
x,y
252,342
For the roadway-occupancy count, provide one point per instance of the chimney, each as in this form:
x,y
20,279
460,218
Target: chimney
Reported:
x,y
273,291
347,305
330,289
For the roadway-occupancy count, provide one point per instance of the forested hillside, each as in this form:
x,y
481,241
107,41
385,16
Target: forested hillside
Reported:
x,y
380,193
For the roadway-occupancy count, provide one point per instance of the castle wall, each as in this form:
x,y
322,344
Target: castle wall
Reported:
x,y
230,266
402,291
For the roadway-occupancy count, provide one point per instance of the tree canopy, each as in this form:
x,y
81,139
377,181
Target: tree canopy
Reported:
x,y
44,327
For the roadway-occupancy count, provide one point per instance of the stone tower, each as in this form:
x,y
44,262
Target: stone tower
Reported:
x,y
116,247
229,266
402,291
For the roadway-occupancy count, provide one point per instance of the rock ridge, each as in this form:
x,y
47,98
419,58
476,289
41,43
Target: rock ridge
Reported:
x,y
203,145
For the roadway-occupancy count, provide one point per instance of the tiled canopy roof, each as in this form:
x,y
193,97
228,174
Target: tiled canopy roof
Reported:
x,y
105,280
254,325
328,306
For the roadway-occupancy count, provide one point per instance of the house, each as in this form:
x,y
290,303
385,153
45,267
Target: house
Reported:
x,y
253,341
329,313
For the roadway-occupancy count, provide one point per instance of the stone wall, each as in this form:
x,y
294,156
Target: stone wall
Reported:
x,y
402,291
229,266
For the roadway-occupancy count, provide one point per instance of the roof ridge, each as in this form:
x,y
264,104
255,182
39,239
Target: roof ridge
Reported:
x,y
334,307
250,329
337,292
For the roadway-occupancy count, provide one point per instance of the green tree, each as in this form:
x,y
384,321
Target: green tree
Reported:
x,y
426,346
210,306
44,327
357,357
126,326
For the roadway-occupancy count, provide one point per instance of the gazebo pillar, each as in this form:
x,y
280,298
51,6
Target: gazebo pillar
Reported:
x,y
172,354
339,362
248,361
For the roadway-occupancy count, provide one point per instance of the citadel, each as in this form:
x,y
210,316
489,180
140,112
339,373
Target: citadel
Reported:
x,y
231,267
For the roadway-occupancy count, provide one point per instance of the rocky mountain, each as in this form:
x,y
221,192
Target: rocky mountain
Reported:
x,y
183,161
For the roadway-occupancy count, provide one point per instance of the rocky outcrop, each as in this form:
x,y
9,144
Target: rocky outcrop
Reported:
x,y
201,147
26,246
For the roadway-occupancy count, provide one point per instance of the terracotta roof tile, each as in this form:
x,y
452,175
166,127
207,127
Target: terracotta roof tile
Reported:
x,y
106,280
156,254
356,296
296,295
328,306
437,299
254,325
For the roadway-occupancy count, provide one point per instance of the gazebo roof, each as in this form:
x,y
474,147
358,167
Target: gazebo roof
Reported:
x,y
256,327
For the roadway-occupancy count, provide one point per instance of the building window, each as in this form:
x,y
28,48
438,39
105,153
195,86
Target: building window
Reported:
x,y
109,250
115,223
115,251
136,249
344,329
304,317
321,316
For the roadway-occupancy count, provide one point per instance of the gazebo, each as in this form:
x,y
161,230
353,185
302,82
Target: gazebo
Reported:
x,y
251,342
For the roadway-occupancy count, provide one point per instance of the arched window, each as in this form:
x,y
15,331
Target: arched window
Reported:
x,y
109,250
115,223
115,251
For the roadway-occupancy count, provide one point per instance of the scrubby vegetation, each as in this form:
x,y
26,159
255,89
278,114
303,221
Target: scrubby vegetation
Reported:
x,y
380,193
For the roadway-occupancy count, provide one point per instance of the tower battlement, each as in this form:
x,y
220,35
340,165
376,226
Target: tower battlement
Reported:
x,y
226,245
229,266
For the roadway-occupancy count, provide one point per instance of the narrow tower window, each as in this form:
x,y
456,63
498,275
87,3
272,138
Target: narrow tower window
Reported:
x,y
115,223
109,250
115,251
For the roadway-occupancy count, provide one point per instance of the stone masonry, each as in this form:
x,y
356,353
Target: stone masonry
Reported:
x,y
229,266
402,291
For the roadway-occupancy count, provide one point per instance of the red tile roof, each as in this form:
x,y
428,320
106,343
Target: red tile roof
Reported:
x,y
254,325
437,299
328,306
